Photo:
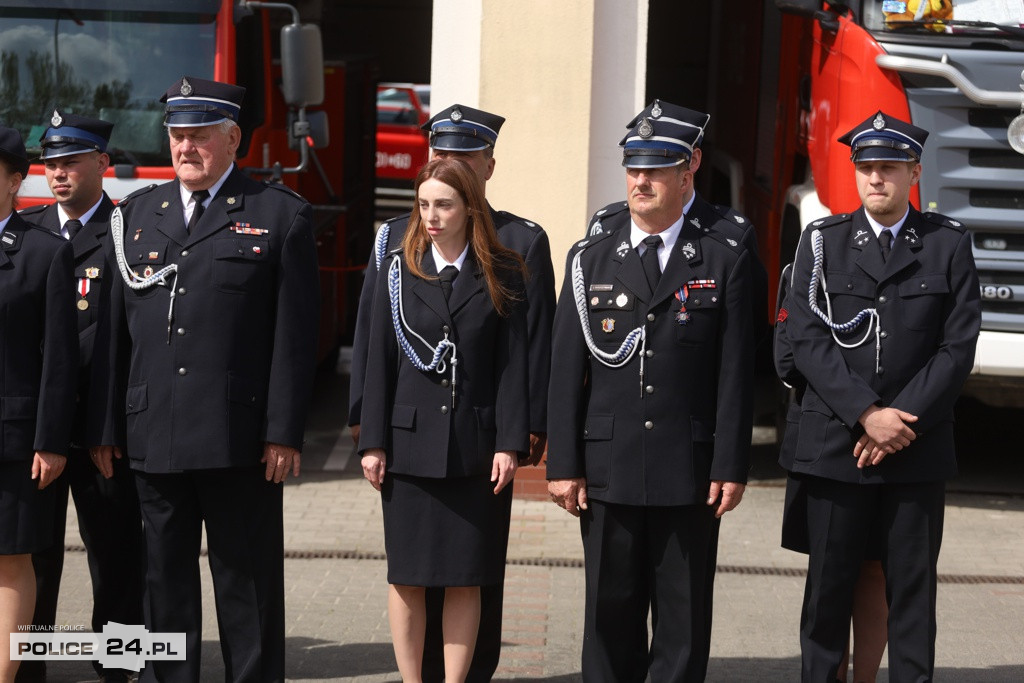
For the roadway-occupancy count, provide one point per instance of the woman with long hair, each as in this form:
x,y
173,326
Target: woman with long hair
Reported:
x,y
39,347
445,410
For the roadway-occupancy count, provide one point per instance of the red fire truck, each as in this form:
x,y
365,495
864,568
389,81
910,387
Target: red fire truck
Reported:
x,y
795,81
306,122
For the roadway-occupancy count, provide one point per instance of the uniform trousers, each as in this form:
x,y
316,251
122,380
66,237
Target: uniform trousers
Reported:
x,y
904,521
639,558
245,539
111,529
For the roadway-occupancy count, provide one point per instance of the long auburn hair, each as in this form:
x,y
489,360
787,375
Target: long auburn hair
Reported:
x,y
491,256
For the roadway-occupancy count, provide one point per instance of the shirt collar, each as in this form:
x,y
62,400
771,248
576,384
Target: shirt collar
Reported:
x,y
440,262
3,223
894,229
186,194
83,219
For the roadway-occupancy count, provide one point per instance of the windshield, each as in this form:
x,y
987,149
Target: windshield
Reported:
x,y
116,59
968,18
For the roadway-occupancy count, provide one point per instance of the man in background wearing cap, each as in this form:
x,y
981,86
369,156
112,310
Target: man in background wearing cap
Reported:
x,y
75,158
470,135
651,410
213,325
885,341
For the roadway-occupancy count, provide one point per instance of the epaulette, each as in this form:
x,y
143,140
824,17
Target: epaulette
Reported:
x,y
138,193
589,241
731,215
829,221
596,224
519,219
32,210
724,240
49,233
944,221
283,188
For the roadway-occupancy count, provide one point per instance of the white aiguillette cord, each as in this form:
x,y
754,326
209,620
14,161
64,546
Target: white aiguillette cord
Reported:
x,y
131,279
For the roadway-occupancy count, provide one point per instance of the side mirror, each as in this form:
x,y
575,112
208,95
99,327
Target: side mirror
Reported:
x,y
315,127
302,65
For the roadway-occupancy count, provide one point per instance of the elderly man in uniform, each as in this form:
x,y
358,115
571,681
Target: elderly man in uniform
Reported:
x,y
75,158
651,409
212,326
882,319
470,135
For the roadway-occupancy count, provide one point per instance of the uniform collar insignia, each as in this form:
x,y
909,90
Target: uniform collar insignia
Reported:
x,y
910,235
695,222
8,239
689,251
861,238
622,249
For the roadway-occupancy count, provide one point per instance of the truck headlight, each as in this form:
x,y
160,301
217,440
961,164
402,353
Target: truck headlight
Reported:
x,y
1015,133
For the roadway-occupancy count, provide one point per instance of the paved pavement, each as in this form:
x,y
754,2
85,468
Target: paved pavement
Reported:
x,y
337,620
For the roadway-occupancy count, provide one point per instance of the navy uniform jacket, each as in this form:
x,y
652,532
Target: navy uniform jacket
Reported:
x,y
722,221
237,368
928,299
519,235
37,342
660,441
408,412
90,251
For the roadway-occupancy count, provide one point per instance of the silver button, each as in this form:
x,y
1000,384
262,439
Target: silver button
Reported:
x,y
849,285
446,329
648,425
649,353
883,334
881,370
650,316
181,290
696,302
182,371
444,410
184,252
882,299
444,383
649,389
181,331
924,285
586,432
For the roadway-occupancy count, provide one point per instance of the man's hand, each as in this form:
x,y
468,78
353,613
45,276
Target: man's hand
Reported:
x,y
46,467
280,460
885,432
103,459
503,469
730,492
373,466
570,494
355,435
538,449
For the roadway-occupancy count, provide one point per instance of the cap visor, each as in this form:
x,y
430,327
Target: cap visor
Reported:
x,y
182,119
659,161
458,143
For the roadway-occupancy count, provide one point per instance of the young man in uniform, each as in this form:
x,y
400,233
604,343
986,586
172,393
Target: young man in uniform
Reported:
x,y
882,319
470,135
651,409
75,158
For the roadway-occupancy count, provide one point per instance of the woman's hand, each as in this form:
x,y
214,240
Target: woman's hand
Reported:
x,y
503,470
46,467
373,466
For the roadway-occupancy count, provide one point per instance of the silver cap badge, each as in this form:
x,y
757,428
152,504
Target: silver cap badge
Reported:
x,y
56,120
656,109
186,88
456,115
879,122
645,129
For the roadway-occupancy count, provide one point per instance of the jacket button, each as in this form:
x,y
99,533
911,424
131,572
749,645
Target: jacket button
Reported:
x,y
924,285
881,370
650,317
446,329
444,410
181,290
883,334
882,299
184,252
849,285
649,353
130,406
181,331
444,383
182,371
648,425
586,432
649,389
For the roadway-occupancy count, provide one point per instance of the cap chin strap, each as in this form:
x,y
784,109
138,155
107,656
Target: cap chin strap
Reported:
x,y
889,144
131,279
636,339
869,314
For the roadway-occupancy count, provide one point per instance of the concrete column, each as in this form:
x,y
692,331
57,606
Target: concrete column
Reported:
x,y
567,76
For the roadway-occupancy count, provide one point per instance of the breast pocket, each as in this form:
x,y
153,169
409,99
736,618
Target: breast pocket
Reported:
x,y
144,260
849,294
239,265
698,323
611,317
921,299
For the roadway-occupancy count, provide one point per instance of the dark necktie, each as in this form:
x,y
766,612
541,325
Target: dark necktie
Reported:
x,y
885,243
198,197
446,277
649,260
73,225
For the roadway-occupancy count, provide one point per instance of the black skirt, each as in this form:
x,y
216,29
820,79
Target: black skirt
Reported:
x,y
26,513
445,532
795,525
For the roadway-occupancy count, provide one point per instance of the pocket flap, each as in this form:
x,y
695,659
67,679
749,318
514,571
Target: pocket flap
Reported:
x,y
599,427
615,300
151,254
924,284
701,430
238,248
485,417
136,399
18,407
845,283
403,416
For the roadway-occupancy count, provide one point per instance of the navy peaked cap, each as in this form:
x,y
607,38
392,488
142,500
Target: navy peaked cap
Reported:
x,y
199,102
12,149
885,138
663,134
463,129
72,134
